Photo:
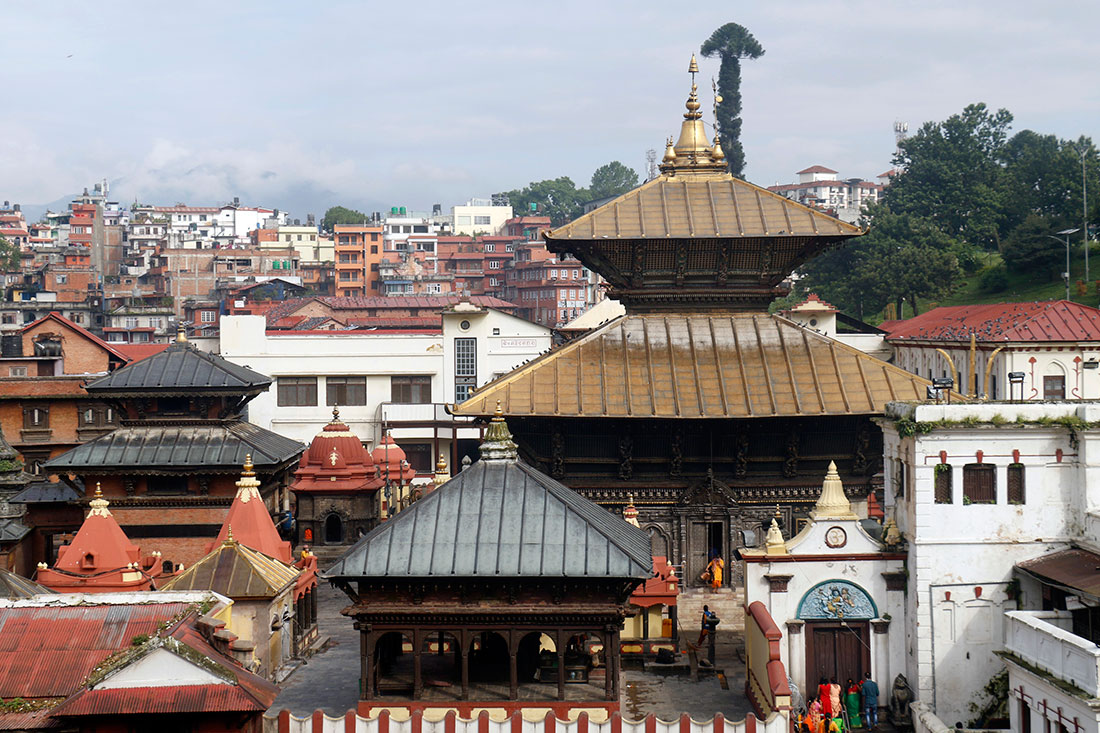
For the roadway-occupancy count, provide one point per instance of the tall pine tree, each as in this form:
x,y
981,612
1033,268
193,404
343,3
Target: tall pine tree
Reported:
x,y
731,43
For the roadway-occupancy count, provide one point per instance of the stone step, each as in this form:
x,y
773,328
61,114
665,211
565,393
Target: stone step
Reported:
x,y
727,603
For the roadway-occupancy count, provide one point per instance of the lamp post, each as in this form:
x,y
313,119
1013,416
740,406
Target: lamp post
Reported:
x,y
1065,233
1084,153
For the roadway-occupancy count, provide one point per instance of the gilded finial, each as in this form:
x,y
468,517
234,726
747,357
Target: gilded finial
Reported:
x,y
498,414
670,152
441,464
335,413
778,513
98,490
247,465
773,542
99,504
693,67
181,333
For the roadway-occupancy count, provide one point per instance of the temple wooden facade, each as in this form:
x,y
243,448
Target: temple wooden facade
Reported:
x,y
706,408
500,589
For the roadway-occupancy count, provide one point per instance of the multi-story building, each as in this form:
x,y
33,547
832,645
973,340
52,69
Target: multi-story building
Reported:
x,y
186,273
548,288
13,227
140,324
820,188
401,224
358,252
398,379
480,216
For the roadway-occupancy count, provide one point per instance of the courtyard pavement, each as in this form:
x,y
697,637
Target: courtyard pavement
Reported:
x,y
329,680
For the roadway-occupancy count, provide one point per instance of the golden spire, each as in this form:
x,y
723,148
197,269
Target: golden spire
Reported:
x,y
248,487
181,333
832,504
774,543
229,539
692,152
498,445
693,67
442,475
336,413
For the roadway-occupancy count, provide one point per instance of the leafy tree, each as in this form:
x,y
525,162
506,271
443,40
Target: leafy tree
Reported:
x,y
612,179
9,256
1043,176
558,198
901,258
950,175
731,43
1030,249
339,215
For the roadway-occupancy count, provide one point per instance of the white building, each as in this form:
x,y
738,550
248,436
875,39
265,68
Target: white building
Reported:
x,y
824,318
480,216
402,380
819,187
984,494
1054,344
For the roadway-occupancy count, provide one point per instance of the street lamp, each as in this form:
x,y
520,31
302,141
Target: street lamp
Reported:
x,y
1065,233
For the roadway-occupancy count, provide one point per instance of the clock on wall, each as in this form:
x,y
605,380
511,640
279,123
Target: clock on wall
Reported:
x,y
836,537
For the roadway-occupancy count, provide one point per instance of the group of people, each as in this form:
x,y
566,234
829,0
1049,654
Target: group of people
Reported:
x,y
825,713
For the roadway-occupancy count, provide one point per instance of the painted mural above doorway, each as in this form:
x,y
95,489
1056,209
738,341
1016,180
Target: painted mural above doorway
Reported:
x,y
836,599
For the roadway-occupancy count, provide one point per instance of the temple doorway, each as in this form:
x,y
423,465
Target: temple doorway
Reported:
x,y
707,540
839,650
334,529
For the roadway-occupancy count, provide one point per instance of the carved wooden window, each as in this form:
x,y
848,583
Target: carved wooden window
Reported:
x,y
37,416
979,483
943,487
1016,489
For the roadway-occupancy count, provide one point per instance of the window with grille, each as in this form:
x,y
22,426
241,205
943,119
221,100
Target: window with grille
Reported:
x,y
465,367
208,316
36,417
97,416
1054,388
979,483
413,390
1016,490
297,391
346,391
419,456
943,483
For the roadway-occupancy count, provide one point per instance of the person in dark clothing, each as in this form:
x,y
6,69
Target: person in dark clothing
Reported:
x,y
870,701
707,624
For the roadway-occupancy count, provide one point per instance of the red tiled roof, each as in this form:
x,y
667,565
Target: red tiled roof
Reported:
x,y
1054,320
159,701
816,169
55,316
137,352
411,301
48,652
431,322
36,720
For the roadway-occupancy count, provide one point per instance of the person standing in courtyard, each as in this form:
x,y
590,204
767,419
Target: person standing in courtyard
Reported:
x,y
707,624
834,698
824,696
851,703
870,701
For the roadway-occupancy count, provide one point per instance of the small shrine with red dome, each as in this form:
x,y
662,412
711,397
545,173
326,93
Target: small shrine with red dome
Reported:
x,y
101,558
396,475
337,486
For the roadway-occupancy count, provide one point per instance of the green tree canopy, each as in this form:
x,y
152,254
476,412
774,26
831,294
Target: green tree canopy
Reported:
x,y
951,176
612,179
731,43
1042,176
340,215
901,258
1031,248
9,256
558,198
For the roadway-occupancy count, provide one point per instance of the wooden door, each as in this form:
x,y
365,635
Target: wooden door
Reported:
x,y
697,551
836,650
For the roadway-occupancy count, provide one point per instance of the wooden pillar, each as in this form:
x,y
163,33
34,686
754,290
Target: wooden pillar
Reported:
x,y
366,663
418,681
464,644
313,605
608,665
645,622
559,647
513,670
615,661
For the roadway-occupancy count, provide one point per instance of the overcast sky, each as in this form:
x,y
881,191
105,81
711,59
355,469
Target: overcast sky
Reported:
x,y
302,105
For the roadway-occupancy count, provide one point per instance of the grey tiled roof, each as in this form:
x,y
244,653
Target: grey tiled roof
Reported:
x,y
45,492
180,367
13,530
500,520
197,447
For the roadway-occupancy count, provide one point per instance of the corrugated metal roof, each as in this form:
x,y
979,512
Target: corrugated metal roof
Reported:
x,y
1055,320
701,206
500,520
44,492
49,651
200,446
159,701
1074,568
236,571
181,366
35,720
699,366
14,586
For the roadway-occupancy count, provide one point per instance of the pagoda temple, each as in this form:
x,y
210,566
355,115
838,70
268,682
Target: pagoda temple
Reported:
x,y
499,590
706,408
101,558
171,465
336,487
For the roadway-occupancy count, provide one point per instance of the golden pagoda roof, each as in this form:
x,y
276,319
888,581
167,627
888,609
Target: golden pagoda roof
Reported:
x,y
713,204
698,365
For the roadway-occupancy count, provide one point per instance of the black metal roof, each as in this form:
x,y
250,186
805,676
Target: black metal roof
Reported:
x,y
500,520
203,446
45,492
181,367
12,529
14,587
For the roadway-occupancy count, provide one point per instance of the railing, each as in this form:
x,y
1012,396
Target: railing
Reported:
x,y
397,412
535,721
1032,637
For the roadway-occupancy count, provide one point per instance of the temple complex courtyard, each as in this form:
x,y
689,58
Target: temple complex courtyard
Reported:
x,y
329,680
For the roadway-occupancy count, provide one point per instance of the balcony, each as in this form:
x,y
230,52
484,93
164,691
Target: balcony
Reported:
x,y
1037,639
431,412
